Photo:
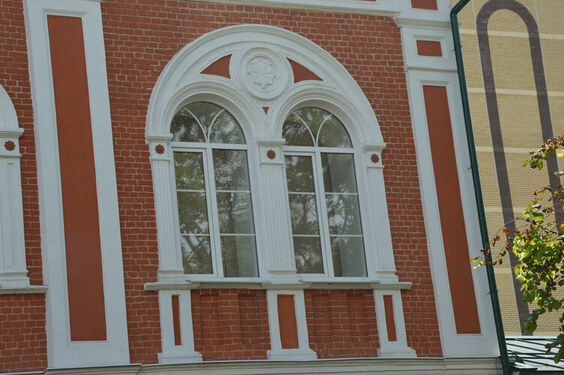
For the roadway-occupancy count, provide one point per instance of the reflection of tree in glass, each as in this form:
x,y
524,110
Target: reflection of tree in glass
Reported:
x,y
206,122
196,256
311,126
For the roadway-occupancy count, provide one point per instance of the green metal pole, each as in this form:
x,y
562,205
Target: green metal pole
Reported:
x,y
477,185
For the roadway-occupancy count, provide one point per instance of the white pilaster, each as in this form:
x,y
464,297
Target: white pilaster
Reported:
x,y
303,352
170,257
398,347
281,262
184,352
13,271
385,265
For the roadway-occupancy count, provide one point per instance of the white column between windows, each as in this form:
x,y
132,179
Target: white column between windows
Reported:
x,y
385,265
170,260
13,271
281,262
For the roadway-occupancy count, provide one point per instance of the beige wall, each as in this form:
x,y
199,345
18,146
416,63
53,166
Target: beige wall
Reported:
x,y
519,117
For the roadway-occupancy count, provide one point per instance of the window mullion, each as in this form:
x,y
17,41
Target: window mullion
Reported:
x,y
322,216
213,216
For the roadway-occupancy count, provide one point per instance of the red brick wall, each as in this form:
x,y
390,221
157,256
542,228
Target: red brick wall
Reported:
x,y
22,333
142,36
22,317
230,324
341,323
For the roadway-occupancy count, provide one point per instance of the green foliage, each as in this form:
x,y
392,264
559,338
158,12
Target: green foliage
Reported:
x,y
538,243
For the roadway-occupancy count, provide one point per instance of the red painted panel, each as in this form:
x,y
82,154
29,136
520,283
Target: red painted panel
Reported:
x,y
287,321
78,180
219,67
424,4
176,320
450,209
390,320
429,48
301,73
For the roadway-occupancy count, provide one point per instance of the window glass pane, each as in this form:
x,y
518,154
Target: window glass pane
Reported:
x,y
307,251
189,170
299,174
196,254
333,134
343,214
303,213
348,256
338,173
239,256
312,117
235,212
296,132
185,127
225,129
192,212
231,170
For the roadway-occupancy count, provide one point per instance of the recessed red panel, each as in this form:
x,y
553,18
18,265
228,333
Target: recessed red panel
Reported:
x,y
219,67
424,4
176,320
301,73
78,180
287,322
429,48
450,210
390,320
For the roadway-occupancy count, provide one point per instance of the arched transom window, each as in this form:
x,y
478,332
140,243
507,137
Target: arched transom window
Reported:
x,y
323,195
215,212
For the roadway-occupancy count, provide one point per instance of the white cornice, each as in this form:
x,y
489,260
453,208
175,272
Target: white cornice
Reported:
x,y
386,8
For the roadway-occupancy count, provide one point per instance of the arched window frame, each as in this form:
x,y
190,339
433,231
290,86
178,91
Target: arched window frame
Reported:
x,y
337,92
237,110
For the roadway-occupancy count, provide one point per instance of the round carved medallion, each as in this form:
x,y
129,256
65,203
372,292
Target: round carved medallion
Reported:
x,y
10,146
263,73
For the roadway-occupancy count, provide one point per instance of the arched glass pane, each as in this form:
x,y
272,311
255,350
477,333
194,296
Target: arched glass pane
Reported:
x,y
333,134
196,120
225,129
185,127
296,132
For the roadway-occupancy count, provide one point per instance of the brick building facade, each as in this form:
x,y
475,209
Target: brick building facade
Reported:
x,y
272,183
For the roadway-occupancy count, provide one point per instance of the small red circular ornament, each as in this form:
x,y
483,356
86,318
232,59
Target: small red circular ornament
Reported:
x,y
270,154
159,149
375,158
10,146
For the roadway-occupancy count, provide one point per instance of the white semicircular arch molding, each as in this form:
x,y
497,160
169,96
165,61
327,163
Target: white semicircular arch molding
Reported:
x,y
181,81
8,115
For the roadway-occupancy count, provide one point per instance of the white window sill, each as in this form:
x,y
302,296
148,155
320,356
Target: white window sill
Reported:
x,y
32,289
254,284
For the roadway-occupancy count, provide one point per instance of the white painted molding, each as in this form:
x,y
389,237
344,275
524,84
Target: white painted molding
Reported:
x,y
13,269
453,344
372,8
446,62
383,366
276,352
399,347
177,353
61,352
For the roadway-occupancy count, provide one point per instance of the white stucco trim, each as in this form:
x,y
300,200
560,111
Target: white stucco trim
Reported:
x,y
418,75
384,366
13,270
61,352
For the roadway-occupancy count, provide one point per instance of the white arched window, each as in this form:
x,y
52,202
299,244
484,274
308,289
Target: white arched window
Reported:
x,y
213,191
323,195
